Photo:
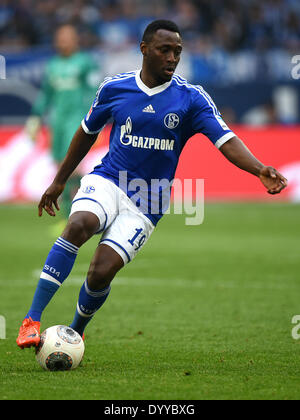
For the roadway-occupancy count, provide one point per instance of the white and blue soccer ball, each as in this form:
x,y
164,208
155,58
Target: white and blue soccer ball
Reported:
x,y
61,348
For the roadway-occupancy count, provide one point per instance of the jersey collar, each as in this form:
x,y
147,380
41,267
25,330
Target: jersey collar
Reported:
x,y
146,89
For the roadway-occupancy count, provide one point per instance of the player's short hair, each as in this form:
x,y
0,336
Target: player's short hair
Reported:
x,y
156,25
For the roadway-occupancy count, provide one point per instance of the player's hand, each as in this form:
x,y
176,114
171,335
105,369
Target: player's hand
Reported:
x,y
49,199
32,127
272,180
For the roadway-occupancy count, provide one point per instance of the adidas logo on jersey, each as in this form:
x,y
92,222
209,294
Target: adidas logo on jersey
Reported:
x,y
149,109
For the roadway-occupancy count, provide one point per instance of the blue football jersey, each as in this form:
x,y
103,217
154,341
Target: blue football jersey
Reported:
x,y
150,129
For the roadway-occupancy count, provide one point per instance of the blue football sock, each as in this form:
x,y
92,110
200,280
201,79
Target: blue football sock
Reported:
x,y
58,266
88,304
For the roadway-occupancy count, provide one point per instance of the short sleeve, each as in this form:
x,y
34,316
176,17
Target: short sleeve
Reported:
x,y
99,113
206,118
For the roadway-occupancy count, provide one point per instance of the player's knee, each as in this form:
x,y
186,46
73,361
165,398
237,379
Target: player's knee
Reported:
x,y
80,228
100,275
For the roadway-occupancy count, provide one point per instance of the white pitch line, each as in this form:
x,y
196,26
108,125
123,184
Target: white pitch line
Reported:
x,y
77,280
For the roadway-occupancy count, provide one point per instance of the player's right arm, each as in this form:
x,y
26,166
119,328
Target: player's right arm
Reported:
x,y
40,107
79,147
82,142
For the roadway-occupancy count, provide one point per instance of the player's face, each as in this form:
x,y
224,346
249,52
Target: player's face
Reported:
x,y
66,41
162,54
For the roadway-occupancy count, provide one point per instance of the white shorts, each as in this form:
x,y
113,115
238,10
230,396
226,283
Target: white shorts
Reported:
x,y
123,226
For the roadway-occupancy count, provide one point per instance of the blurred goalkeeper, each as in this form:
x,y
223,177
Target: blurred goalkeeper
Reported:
x,y
67,88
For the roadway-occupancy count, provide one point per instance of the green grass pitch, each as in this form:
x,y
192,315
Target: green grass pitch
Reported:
x,y
202,312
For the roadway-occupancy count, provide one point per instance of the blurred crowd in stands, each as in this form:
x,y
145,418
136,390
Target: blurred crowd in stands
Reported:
x,y
226,42
230,26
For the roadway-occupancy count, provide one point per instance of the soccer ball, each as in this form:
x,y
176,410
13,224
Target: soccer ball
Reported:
x,y
60,348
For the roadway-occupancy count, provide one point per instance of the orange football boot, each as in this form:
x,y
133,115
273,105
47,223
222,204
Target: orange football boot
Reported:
x,y
29,334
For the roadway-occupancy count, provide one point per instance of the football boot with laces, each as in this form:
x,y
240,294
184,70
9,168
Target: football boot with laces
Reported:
x,y
29,334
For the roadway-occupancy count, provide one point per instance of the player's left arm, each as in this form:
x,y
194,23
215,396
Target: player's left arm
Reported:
x,y
91,76
206,119
238,154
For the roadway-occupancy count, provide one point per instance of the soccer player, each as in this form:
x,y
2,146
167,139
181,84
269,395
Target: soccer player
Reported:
x,y
155,112
66,90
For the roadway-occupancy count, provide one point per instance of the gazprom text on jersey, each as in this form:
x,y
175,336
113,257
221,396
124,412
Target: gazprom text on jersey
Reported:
x,y
148,142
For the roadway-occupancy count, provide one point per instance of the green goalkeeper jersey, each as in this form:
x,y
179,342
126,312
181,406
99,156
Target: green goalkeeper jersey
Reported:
x,y
66,93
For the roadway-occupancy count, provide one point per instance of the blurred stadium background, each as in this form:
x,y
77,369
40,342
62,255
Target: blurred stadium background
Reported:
x,y
239,50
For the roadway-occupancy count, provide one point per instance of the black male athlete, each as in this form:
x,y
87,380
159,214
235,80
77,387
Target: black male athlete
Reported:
x,y
154,113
